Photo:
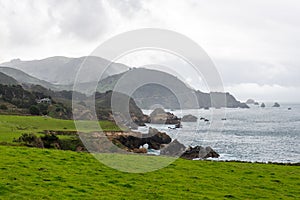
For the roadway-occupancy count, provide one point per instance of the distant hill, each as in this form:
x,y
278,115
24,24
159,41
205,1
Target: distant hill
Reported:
x,y
24,78
156,94
58,73
62,70
7,80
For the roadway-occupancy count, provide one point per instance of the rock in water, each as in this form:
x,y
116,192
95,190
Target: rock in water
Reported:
x,y
175,148
199,152
276,105
250,101
159,116
262,105
189,118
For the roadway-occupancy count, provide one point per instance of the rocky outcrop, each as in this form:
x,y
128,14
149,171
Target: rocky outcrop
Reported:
x,y
159,116
251,101
189,118
103,102
263,105
154,139
276,105
175,148
200,153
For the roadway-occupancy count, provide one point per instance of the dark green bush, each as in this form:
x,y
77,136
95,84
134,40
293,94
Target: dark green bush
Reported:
x,y
34,110
30,140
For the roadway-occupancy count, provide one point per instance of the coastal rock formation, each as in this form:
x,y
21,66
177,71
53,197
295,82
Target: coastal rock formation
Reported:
x,y
262,105
189,118
154,139
159,116
175,148
199,152
276,105
251,101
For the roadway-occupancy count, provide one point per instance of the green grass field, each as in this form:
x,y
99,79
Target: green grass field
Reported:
x,y
12,126
29,173
32,173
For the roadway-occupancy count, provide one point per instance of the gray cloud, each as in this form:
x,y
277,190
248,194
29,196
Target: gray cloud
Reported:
x,y
251,41
86,20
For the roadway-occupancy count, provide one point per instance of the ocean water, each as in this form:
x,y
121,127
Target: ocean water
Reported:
x,y
256,134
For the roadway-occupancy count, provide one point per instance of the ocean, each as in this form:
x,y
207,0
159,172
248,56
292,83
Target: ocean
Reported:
x,y
257,134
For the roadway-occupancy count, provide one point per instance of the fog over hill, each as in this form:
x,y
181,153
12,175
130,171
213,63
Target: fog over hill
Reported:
x,y
151,87
62,70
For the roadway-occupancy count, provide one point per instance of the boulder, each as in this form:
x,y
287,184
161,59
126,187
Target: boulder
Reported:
x,y
155,139
189,118
276,105
199,152
159,116
262,105
175,148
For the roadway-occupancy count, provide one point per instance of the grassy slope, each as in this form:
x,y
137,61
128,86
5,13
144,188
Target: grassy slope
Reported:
x,y
29,173
13,126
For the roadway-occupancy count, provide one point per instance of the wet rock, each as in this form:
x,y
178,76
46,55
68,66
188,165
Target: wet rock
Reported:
x,y
250,101
189,118
276,105
159,116
175,148
199,152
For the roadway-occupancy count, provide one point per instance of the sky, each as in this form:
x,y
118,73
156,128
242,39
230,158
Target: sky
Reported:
x,y
254,44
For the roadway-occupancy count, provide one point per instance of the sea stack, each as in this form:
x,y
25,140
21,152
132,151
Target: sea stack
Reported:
x,y
276,105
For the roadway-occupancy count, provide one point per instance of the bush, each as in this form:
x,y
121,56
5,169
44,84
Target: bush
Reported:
x,y
3,107
34,110
30,140
50,141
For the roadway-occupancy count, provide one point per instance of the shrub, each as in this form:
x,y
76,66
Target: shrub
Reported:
x,y
34,110
50,140
30,140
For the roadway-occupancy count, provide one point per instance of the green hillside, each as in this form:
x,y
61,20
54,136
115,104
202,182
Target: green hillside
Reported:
x,y
29,173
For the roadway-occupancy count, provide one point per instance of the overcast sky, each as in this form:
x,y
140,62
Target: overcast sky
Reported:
x,y
254,44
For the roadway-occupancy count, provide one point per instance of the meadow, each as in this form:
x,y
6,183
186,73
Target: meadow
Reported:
x,y
12,126
32,173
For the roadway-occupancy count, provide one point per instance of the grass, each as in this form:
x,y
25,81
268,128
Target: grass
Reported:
x,y
30,173
12,126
